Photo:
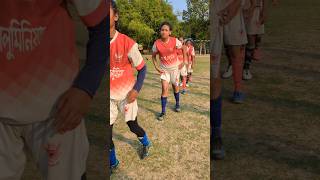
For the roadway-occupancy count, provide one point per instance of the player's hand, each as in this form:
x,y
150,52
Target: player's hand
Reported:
x,y
262,18
180,66
248,13
227,14
160,70
132,96
71,108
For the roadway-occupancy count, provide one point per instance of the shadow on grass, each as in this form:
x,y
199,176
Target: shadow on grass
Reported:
x,y
295,72
292,52
96,130
280,102
273,148
184,107
133,143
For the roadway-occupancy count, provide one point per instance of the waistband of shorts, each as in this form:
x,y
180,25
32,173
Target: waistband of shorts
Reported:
x,y
173,68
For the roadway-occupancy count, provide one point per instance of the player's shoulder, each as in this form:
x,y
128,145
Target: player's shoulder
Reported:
x,y
126,39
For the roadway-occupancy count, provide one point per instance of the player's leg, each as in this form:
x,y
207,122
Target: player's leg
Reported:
x,y
142,137
237,59
216,147
130,112
114,162
248,57
228,72
165,79
257,54
184,79
12,157
174,80
217,150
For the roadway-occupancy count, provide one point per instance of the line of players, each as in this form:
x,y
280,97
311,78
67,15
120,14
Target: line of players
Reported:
x,y
237,27
175,58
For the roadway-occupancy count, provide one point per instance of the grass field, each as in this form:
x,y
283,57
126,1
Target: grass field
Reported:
x,y
275,134
180,142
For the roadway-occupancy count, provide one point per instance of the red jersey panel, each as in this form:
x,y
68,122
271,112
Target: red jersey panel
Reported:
x,y
38,57
124,55
168,52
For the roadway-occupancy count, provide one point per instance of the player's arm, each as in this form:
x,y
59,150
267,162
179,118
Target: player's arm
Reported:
x,y
185,55
193,59
263,14
75,102
154,59
248,13
180,46
228,13
137,61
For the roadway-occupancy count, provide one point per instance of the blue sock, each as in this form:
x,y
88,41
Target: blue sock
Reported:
x,y
163,104
112,157
177,97
144,140
215,116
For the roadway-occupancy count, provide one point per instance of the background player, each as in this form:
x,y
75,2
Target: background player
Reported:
x,y
124,88
183,65
167,47
191,61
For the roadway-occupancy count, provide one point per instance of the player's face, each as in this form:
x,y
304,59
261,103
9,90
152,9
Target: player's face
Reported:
x,y
165,32
113,18
181,39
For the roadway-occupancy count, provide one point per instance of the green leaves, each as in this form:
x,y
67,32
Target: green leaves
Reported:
x,y
140,19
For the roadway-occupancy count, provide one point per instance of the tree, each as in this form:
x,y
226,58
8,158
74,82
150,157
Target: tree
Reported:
x,y
140,19
196,19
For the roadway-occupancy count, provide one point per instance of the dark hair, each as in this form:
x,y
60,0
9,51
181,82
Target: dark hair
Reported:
x,y
166,23
114,7
116,11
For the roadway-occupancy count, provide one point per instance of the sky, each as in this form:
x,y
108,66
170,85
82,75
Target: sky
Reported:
x,y
178,5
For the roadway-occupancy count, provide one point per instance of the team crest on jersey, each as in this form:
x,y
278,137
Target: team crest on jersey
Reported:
x,y
19,37
116,73
118,58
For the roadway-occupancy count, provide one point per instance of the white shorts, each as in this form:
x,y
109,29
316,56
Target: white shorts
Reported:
x,y
253,27
72,152
190,70
130,111
183,71
171,76
232,34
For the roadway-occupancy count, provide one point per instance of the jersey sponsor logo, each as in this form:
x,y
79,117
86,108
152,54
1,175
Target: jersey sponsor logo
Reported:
x,y
116,73
118,58
168,58
20,36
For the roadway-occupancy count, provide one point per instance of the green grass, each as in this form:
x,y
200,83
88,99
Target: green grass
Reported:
x,y
180,142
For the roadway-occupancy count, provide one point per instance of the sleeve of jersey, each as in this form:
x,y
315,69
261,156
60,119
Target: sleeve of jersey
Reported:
x,y
136,58
178,44
193,52
91,11
91,74
154,49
